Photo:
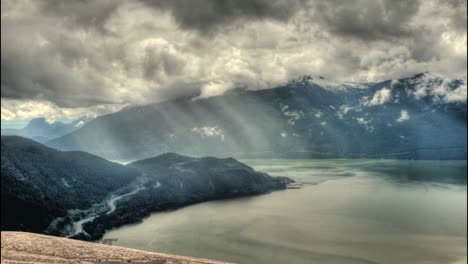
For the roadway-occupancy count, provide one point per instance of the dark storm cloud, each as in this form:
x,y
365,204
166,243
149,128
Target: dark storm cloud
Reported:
x,y
34,69
84,53
161,62
208,15
367,19
458,13
84,13
363,19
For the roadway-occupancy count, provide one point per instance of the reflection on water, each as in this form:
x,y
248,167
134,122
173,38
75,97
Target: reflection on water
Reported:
x,y
350,211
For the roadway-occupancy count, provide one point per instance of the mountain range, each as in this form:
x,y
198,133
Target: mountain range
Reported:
x,y
42,131
422,117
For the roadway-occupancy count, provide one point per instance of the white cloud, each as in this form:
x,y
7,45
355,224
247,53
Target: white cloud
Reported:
x,y
293,116
440,89
457,95
214,89
79,55
28,109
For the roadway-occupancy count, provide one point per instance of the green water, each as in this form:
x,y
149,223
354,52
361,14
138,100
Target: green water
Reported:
x,y
350,211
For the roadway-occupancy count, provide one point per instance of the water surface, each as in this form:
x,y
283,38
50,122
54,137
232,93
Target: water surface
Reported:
x,y
350,211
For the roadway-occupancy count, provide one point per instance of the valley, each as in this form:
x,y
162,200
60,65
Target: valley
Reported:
x,y
110,203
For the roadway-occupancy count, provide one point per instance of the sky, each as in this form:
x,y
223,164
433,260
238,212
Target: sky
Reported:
x,y
65,59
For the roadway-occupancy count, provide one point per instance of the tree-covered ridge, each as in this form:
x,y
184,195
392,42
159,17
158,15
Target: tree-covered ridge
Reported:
x,y
49,191
172,181
40,183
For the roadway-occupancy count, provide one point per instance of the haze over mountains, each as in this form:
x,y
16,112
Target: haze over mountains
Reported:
x,y
74,193
41,130
422,117
113,110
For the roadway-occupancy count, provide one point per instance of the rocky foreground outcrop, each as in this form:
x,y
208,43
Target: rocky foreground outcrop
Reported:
x,y
21,247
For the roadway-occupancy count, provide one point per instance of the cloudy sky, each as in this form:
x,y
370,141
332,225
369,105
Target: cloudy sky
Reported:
x,y
64,59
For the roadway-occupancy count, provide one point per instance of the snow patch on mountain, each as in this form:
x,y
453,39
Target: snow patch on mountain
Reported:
x,y
327,84
293,116
404,116
79,124
208,131
366,123
380,97
441,89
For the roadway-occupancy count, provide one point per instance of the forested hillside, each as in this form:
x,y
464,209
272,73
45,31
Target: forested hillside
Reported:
x,y
40,183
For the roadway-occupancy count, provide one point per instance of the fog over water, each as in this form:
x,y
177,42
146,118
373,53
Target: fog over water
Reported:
x,y
350,211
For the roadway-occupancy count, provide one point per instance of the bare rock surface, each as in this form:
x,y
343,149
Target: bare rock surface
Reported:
x,y
22,248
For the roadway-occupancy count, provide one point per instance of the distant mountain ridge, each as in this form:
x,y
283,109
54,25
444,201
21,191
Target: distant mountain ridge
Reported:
x,y
41,130
422,117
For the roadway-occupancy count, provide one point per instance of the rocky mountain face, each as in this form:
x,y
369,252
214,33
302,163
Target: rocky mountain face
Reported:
x,y
41,131
422,117
48,191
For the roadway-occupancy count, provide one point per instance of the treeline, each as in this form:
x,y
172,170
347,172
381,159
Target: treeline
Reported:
x,y
176,181
40,184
